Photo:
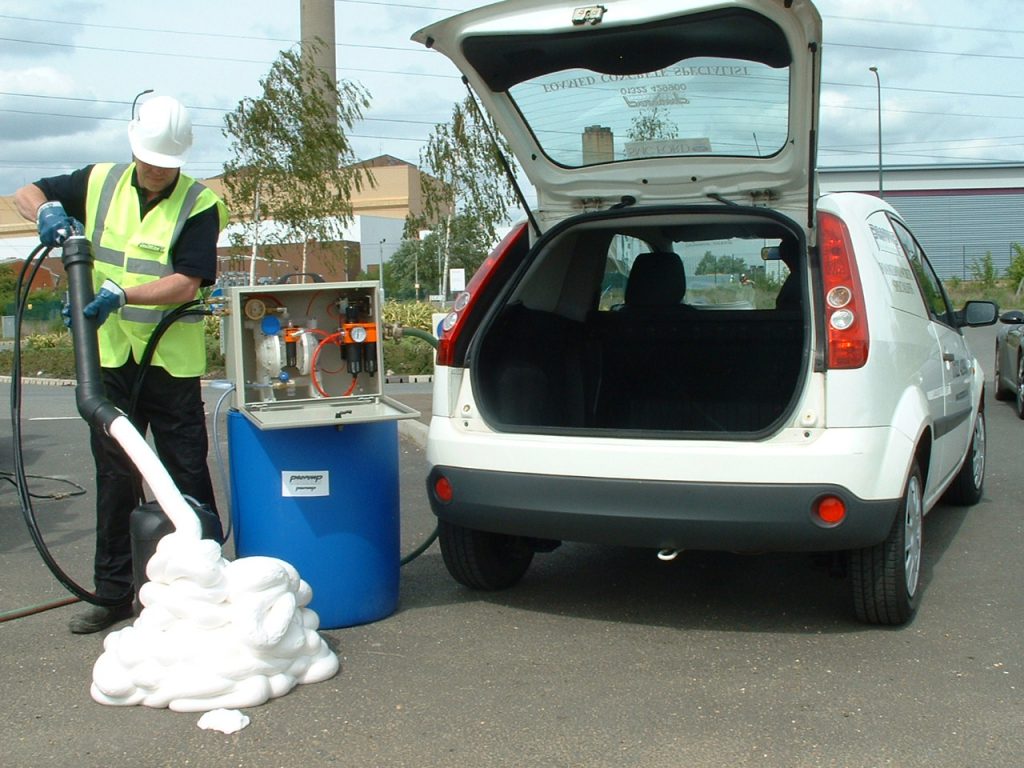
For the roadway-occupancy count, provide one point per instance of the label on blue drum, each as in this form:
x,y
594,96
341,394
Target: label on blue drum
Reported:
x,y
306,483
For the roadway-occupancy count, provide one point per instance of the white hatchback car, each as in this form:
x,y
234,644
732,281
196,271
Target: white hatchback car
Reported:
x,y
686,347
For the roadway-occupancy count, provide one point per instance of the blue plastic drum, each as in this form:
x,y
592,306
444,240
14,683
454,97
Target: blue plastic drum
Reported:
x,y
325,500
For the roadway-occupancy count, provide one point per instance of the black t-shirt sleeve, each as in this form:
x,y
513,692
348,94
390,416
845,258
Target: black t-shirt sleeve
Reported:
x,y
69,190
195,254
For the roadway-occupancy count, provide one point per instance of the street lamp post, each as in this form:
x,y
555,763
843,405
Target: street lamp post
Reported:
x,y
878,90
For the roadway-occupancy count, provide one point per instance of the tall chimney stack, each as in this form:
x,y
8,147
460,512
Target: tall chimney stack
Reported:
x,y
316,19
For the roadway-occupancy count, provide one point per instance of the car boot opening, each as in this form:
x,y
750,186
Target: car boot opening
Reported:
x,y
651,328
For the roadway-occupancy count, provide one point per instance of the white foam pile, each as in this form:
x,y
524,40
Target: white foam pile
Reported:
x,y
212,634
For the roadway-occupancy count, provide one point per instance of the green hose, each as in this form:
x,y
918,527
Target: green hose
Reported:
x,y
417,333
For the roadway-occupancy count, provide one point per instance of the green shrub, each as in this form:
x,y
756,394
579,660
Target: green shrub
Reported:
x,y
410,314
408,357
47,354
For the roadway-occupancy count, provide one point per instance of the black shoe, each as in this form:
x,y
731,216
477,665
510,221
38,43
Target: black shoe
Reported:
x,y
99,617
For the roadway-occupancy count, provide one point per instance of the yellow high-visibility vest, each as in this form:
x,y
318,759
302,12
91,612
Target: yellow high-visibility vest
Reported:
x,y
133,251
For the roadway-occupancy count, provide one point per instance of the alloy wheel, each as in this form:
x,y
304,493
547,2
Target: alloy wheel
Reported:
x,y
912,535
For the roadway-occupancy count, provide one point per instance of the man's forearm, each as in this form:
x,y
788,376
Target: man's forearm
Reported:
x,y
27,200
172,289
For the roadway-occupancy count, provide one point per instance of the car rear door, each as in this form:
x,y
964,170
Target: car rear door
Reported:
x,y
952,429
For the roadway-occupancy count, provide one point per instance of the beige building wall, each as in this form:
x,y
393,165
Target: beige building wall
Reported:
x,y
394,194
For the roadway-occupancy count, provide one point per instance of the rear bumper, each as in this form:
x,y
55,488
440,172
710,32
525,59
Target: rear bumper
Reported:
x,y
658,513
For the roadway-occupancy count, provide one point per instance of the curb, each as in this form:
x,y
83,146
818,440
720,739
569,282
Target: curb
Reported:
x,y
5,379
414,430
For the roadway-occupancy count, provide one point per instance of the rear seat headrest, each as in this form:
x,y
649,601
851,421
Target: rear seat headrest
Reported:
x,y
656,279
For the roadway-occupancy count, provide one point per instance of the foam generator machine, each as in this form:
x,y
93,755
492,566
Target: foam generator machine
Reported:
x,y
313,442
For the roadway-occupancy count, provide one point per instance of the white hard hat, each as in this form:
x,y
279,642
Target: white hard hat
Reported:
x,y
162,133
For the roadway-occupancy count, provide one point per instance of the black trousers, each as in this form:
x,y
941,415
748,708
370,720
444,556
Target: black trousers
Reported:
x,y
173,409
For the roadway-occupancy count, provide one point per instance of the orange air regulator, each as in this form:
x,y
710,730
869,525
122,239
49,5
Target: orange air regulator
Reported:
x,y
290,351
360,342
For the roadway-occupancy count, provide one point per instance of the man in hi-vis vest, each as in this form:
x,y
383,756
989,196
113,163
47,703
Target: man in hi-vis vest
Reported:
x,y
154,237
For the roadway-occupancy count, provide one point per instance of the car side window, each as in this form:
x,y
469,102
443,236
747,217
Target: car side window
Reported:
x,y
927,281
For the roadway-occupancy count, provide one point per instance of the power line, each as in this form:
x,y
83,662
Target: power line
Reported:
x,y
927,26
922,50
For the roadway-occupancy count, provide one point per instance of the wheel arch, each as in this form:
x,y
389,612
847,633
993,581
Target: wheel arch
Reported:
x,y
912,417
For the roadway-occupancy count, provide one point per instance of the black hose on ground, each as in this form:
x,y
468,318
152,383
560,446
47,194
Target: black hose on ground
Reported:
x,y
431,339
90,396
86,397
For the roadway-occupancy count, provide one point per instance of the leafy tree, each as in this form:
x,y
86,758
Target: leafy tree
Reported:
x,y
464,177
732,265
421,261
291,159
721,265
708,265
652,126
8,280
1015,271
984,271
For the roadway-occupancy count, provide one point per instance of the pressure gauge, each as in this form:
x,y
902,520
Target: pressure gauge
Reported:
x,y
358,334
254,309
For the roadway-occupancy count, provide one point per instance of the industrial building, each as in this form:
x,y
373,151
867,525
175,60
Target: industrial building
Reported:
x,y
958,212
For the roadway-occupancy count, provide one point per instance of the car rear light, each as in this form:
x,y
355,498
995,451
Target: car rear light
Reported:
x,y
453,324
845,317
443,489
830,510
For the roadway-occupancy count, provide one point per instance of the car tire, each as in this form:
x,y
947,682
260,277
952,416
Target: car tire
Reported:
x,y
886,577
1020,387
1000,392
969,484
483,560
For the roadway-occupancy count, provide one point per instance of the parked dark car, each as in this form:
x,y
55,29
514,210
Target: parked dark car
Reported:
x,y
1010,359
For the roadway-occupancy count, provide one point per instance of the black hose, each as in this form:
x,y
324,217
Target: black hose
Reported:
x,y
420,549
147,358
90,396
22,290
431,339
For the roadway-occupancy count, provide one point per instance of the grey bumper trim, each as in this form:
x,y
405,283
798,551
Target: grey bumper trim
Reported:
x,y
660,514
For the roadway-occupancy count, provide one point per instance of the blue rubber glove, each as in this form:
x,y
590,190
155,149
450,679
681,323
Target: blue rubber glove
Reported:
x,y
54,225
109,298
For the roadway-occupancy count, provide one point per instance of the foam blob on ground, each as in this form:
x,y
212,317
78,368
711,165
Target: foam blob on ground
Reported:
x,y
213,634
223,720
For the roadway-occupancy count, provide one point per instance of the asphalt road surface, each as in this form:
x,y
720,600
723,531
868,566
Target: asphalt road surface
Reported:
x,y
602,656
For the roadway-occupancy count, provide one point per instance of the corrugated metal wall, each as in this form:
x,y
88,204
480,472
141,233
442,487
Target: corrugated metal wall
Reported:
x,y
958,228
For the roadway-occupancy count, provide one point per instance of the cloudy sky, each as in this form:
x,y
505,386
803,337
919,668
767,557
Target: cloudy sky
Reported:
x,y
952,75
